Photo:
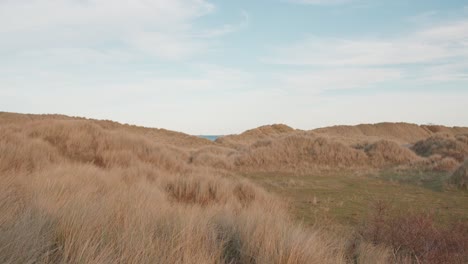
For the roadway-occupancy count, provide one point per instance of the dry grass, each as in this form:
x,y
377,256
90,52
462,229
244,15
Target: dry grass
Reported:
x,y
298,152
75,191
443,145
303,152
415,236
385,152
399,132
253,135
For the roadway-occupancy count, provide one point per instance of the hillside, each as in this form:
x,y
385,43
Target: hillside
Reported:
x,y
403,133
400,132
76,190
86,191
161,135
267,148
280,148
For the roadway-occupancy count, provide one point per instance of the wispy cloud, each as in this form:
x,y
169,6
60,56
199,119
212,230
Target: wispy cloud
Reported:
x,y
437,53
159,28
111,14
320,2
455,71
168,64
425,46
316,81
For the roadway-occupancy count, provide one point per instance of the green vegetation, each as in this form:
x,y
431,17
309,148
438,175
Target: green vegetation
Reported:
x,y
345,197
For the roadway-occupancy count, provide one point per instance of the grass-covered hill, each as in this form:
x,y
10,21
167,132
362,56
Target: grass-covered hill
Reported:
x,y
76,190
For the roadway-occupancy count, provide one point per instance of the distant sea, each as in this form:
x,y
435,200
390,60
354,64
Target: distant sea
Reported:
x,y
210,137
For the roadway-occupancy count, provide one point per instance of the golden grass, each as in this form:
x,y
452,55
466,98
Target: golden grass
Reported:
x,y
302,152
296,152
399,132
76,190
253,135
73,191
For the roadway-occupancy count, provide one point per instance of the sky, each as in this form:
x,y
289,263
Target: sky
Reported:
x,y
221,67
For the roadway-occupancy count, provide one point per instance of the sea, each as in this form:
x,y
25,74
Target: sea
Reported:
x,y
210,137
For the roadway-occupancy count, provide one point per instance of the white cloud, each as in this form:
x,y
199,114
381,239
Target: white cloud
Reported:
x,y
24,15
109,59
435,54
454,33
425,46
455,71
334,79
157,28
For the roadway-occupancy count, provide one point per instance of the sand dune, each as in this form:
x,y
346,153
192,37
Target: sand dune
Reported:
x,y
79,190
86,191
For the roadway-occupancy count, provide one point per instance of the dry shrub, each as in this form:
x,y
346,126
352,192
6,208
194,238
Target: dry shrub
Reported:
x,y
415,236
462,138
446,164
439,163
296,151
460,177
386,152
246,193
444,145
204,190
213,156
299,151
200,190
86,142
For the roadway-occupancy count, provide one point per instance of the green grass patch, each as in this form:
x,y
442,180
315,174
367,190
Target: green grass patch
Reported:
x,y
345,198
432,180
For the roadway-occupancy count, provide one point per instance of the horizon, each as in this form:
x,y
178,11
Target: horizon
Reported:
x,y
238,132
221,67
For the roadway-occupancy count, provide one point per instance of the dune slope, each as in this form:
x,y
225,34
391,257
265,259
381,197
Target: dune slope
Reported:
x,y
76,190
85,191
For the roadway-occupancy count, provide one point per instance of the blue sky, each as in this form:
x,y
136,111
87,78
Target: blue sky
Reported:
x,y
220,67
